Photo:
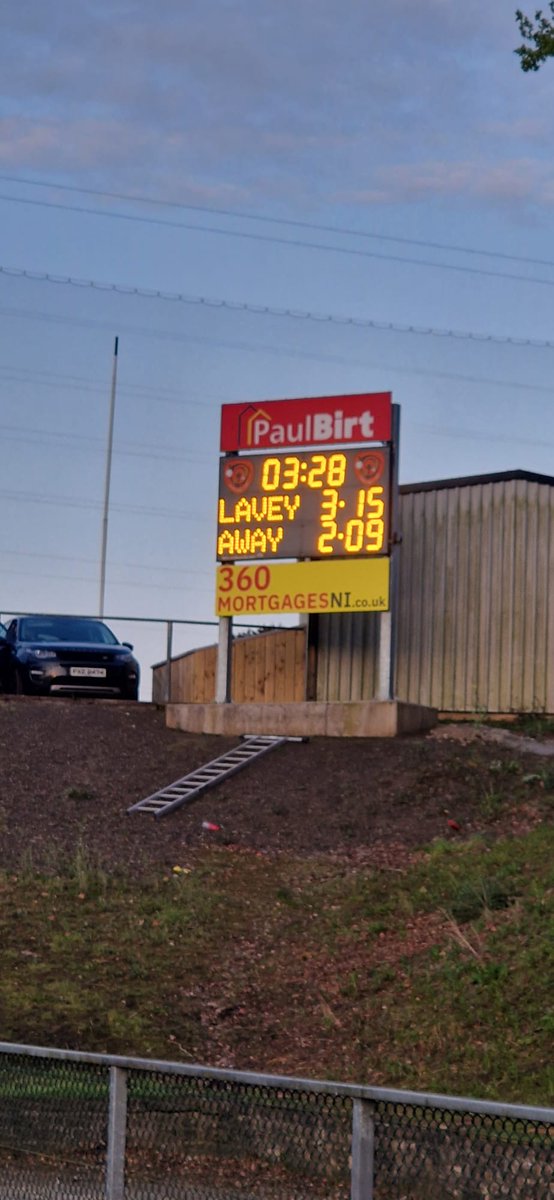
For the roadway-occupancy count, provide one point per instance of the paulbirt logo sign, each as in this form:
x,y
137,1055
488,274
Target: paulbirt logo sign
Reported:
x,y
317,421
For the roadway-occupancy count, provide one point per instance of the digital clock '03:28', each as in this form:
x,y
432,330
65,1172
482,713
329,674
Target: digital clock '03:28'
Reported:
x,y
304,505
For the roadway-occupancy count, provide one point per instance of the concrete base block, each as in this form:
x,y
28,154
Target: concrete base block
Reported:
x,y
358,718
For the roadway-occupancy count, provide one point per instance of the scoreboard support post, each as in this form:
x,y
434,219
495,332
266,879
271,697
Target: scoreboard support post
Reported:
x,y
385,681
387,620
224,661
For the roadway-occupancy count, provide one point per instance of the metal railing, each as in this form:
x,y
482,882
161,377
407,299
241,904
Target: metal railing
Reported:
x,y
85,1126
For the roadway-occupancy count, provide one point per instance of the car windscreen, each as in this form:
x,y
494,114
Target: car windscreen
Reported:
x,y
65,629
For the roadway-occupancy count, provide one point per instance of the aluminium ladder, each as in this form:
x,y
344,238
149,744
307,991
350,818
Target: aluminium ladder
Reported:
x,y
197,782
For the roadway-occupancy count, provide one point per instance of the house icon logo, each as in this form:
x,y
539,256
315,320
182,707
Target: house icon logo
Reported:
x,y
246,422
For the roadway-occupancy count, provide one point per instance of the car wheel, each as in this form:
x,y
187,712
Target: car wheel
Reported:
x,y
131,693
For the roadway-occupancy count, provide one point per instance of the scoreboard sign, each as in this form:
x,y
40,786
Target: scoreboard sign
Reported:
x,y
308,481
307,505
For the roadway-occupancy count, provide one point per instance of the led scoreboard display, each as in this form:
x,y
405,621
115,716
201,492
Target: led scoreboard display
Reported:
x,y
318,505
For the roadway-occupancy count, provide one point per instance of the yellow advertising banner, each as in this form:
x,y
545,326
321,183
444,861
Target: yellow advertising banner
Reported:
x,y
338,586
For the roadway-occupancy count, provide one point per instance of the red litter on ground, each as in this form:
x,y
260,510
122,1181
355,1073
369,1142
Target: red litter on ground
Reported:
x,y
211,826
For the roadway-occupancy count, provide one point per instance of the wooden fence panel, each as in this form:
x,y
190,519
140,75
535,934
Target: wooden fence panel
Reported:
x,y
267,667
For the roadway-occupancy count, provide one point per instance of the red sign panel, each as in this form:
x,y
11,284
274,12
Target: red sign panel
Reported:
x,y
317,421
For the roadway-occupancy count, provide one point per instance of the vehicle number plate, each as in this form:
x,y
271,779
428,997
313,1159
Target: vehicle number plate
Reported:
x,y
88,672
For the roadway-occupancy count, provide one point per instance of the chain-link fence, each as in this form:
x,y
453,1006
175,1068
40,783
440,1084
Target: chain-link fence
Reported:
x,y
83,1127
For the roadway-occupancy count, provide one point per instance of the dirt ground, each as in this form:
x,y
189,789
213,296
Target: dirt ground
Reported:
x,y
69,769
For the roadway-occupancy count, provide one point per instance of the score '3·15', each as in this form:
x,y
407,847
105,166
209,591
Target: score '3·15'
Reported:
x,y
363,533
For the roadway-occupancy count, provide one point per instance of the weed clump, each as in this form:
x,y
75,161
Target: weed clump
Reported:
x,y
79,793
471,900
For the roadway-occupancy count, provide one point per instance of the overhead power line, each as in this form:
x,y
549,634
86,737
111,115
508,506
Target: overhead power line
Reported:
x,y
141,390
241,214
424,372
81,502
77,441
152,568
82,385
296,243
257,310
158,587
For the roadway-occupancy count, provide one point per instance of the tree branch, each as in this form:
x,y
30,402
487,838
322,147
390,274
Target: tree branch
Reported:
x,y
541,37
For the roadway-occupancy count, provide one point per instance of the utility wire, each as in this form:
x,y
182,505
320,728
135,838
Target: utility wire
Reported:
x,y
159,587
136,389
256,309
238,214
132,566
59,437
297,243
479,435
80,384
81,502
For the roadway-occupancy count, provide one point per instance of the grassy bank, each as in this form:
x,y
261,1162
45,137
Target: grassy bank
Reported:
x,y
439,976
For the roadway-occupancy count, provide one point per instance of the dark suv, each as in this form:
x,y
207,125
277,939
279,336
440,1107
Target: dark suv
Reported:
x,y
66,655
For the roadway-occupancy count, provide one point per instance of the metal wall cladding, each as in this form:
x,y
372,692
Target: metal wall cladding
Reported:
x,y
475,617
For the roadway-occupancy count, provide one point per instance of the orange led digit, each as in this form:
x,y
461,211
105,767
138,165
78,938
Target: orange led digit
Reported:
x,y
330,504
318,470
375,504
270,474
374,531
336,470
328,536
291,472
354,536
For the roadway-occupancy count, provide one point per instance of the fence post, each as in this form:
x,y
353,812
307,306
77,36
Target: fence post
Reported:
x,y
361,1184
117,1129
168,654
224,661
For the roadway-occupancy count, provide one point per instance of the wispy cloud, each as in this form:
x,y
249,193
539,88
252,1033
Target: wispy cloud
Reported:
x,y
510,181
306,98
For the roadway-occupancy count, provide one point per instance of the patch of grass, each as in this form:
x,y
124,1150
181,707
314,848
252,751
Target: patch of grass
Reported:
x,y
491,804
472,899
80,793
310,967
505,767
544,776
533,724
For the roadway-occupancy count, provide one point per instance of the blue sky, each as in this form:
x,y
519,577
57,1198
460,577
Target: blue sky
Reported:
x,y
381,146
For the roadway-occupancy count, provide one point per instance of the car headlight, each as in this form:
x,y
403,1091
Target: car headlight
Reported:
x,y
123,656
43,653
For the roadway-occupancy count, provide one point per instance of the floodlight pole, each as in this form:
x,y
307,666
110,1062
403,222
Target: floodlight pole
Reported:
x,y
107,482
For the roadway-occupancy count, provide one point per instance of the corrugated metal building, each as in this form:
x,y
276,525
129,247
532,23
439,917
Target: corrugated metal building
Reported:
x,y
475,616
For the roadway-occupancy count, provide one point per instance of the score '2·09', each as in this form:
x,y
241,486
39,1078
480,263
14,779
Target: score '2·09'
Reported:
x,y
363,533
304,506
